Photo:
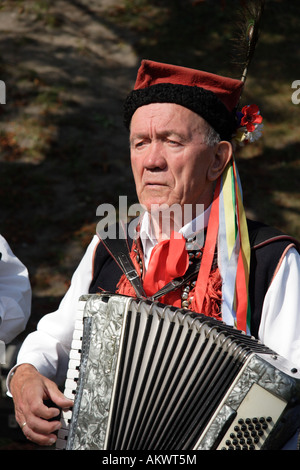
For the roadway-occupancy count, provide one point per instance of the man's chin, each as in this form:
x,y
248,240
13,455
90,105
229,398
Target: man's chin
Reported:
x,y
157,204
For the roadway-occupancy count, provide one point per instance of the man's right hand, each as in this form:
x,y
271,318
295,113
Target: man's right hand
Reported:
x,y
30,390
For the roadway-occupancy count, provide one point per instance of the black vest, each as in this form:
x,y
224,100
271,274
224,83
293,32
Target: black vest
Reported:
x,y
267,247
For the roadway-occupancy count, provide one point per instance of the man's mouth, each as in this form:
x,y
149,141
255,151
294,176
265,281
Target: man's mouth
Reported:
x,y
155,183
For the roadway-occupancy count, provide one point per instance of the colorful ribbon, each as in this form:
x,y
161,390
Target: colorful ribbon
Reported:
x,y
227,229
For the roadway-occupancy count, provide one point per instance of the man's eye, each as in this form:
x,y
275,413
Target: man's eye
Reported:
x,y
136,144
139,144
174,143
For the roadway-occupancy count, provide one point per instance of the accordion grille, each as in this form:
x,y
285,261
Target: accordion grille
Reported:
x,y
173,370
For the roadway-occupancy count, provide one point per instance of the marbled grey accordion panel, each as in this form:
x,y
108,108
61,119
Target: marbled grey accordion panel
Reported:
x,y
101,340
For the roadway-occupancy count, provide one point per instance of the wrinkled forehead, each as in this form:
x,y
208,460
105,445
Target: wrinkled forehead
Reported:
x,y
166,117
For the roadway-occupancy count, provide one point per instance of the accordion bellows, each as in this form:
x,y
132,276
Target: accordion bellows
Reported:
x,y
148,376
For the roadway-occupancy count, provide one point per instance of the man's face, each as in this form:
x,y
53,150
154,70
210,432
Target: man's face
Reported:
x,y
169,158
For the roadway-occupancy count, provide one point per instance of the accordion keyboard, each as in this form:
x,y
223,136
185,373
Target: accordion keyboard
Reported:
x,y
248,432
72,376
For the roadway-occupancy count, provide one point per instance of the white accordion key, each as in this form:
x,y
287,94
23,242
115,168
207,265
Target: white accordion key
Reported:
x,y
62,439
77,334
72,376
63,433
69,393
73,365
73,373
65,419
71,385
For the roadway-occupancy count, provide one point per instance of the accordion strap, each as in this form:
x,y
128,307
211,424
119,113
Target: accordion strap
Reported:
x,y
119,250
190,275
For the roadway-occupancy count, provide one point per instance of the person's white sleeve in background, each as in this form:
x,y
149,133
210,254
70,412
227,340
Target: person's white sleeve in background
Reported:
x,y
47,349
15,294
280,321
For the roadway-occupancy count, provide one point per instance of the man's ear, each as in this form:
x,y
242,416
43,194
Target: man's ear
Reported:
x,y
223,154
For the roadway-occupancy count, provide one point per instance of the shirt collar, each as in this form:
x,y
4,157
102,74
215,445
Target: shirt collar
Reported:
x,y
189,231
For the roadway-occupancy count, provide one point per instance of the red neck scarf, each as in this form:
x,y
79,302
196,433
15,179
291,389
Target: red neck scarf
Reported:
x,y
169,259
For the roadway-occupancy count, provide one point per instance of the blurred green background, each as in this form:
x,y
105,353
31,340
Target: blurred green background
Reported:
x,y
68,65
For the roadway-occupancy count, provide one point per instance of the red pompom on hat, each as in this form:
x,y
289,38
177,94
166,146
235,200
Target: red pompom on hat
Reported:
x,y
213,97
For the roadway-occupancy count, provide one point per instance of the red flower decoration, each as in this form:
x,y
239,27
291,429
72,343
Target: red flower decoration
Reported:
x,y
251,117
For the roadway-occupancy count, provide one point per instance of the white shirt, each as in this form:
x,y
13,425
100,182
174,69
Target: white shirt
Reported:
x,y
15,294
48,347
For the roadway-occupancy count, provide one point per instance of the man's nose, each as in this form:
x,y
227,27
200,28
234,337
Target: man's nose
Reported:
x,y
155,158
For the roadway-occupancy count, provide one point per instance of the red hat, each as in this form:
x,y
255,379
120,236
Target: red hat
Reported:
x,y
227,89
213,97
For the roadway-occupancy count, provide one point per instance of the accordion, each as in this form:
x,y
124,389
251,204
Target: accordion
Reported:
x,y
144,375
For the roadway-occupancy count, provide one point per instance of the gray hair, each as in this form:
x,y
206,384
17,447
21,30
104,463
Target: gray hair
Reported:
x,y
211,136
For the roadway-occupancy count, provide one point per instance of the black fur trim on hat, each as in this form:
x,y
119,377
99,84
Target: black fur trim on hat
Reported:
x,y
201,101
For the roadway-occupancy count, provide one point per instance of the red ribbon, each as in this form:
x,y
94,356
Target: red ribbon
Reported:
x,y
209,251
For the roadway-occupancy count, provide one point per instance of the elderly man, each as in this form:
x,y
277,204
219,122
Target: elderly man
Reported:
x,y
182,123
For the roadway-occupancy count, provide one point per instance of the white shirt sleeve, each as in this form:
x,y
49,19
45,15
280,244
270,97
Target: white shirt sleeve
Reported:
x,y
15,294
48,347
280,322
